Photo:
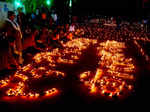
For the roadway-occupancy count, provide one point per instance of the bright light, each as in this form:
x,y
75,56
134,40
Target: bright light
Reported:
x,y
48,2
18,4
70,3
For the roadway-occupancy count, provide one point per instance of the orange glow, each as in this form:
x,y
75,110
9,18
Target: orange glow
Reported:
x,y
118,69
97,76
83,75
51,92
17,91
21,76
93,88
4,82
27,67
70,36
111,76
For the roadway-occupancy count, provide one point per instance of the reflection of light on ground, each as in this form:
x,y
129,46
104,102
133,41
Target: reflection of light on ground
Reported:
x,y
111,76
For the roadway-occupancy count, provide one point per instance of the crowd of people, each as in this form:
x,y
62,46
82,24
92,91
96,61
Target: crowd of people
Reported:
x,y
45,32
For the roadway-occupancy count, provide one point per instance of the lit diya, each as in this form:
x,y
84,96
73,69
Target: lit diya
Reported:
x,y
114,74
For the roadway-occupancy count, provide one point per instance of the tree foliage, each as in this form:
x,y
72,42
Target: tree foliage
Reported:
x,y
31,5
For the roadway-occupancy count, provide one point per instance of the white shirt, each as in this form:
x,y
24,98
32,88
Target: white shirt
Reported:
x,y
72,28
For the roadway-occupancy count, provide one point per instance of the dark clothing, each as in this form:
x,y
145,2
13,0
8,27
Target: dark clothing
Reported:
x,y
11,32
6,48
21,21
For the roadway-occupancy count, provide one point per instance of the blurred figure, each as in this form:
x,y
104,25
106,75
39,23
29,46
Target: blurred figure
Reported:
x,y
21,19
17,35
43,19
56,40
29,40
70,36
72,28
18,38
11,47
42,40
4,50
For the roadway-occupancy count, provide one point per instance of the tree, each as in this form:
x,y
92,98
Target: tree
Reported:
x,y
31,5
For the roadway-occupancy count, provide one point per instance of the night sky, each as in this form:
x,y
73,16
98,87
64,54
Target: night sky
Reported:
x,y
111,6
107,7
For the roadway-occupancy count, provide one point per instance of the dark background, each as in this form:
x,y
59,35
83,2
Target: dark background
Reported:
x,y
141,97
107,7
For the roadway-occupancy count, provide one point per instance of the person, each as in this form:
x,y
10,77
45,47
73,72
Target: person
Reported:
x,y
14,36
118,22
20,18
70,36
7,39
72,28
43,38
56,40
55,18
29,40
4,50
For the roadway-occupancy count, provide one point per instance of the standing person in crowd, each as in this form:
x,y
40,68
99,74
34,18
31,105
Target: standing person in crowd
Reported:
x,y
55,18
56,40
21,19
72,27
11,41
17,35
18,42
43,19
42,40
118,22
